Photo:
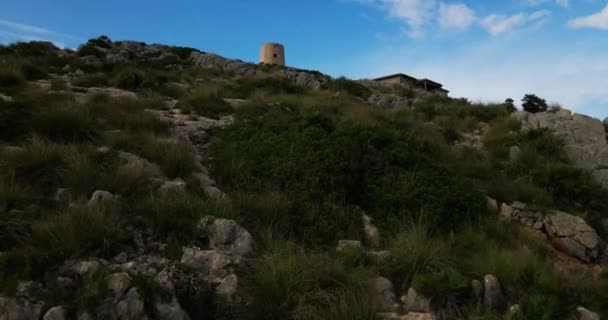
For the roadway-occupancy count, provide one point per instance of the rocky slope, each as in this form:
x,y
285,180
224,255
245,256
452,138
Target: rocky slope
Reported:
x,y
155,182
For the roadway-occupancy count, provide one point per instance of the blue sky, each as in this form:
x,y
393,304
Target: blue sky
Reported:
x,y
480,49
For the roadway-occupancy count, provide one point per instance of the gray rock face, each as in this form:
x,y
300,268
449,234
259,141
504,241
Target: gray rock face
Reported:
x,y
118,283
584,314
514,153
584,138
101,197
171,187
372,233
414,302
573,235
492,295
384,296
226,235
63,196
19,309
477,289
131,306
55,313
171,311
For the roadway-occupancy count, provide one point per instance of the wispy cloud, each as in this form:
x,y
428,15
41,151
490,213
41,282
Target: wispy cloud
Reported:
x,y
534,3
420,16
14,31
496,24
597,20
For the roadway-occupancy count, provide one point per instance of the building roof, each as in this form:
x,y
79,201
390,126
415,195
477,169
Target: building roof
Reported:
x,y
431,82
396,75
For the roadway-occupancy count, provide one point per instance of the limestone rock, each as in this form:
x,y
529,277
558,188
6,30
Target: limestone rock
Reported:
x,y
131,306
506,211
19,309
63,196
492,205
514,153
492,296
118,283
384,296
414,302
226,235
584,314
227,287
573,235
5,98
171,187
477,289
514,311
346,245
101,197
372,233
171,310
584,138
55,313
215,193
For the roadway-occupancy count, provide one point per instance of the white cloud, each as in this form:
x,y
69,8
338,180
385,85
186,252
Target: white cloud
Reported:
x,y
455,16
598,20
415,13
562,3
496,24
12,31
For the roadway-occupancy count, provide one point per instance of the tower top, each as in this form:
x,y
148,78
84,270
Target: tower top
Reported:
x,y
272,53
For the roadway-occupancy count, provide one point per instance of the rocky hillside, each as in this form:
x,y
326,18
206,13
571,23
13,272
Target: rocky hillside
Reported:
x,y
154,182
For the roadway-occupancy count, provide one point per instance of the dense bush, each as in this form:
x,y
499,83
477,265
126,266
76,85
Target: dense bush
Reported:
x,y
534,104
328,166
349,87
129,79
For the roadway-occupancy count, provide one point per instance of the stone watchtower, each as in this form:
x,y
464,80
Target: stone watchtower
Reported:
x,y
272,53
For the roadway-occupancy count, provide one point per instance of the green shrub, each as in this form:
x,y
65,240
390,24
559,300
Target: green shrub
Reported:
x,y
34,48
206,102
101,41
128,114
532,103
348,86
129,79
90,50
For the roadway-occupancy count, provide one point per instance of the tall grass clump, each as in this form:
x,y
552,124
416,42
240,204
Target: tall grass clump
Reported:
x,y
206,102
349,87
290,284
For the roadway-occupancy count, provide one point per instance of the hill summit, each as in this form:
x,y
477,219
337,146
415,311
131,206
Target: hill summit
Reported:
x,y
158,182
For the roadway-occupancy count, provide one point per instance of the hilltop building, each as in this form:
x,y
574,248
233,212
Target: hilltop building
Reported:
x,y
413,83
272,53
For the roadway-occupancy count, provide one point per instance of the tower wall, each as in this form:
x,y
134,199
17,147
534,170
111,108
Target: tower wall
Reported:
x,y
272,53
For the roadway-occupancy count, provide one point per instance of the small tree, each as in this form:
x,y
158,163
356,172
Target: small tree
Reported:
x,y
534,104
510,105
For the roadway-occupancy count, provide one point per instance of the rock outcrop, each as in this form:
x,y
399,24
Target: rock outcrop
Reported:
x,y
584,138
567,233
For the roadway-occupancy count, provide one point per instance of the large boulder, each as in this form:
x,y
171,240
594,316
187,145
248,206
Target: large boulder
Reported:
x,y
584,138
225,235
584,314
414,302
383,294
573,235
55,313
492,293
